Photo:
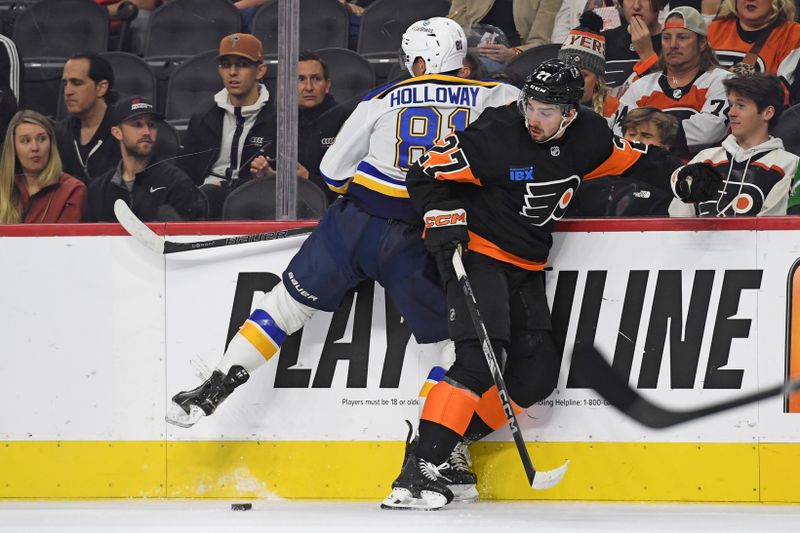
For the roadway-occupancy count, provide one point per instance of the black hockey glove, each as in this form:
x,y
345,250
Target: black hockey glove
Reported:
x,y
697,182
445,229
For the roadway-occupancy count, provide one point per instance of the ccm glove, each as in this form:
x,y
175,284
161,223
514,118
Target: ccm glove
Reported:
x,y
697,182
445,229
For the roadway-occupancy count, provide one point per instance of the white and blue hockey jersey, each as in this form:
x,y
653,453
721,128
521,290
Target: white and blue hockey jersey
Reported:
x,y
392,127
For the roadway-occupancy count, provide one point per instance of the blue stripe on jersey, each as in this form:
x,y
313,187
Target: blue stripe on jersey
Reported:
x,y
333,182
264,321
366,168
437,373
382,206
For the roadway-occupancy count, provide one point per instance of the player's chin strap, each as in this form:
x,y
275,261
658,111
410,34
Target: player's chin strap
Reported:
x,y
565,122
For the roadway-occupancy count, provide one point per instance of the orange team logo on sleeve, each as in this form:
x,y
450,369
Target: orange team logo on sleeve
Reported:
x,y
446,161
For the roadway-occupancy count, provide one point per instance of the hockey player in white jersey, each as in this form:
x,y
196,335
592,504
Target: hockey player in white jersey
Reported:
x,y
372,231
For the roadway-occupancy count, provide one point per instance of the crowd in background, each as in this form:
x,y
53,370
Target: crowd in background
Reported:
x,y
657,78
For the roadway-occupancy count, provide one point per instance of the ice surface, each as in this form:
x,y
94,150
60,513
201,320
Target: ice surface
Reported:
x,y
199,516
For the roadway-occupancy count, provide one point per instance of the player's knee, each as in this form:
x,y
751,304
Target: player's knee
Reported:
x,y
533,375
471,368
289,314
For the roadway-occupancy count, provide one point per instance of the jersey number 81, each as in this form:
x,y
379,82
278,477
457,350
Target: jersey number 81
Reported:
x,y
418,128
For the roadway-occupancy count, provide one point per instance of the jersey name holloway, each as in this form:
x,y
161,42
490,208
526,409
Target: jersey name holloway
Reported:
x,y
463,96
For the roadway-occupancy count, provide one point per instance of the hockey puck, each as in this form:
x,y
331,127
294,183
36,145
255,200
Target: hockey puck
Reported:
x,y
241,506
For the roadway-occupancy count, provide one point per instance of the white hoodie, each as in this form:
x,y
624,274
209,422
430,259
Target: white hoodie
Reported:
x,y
249,112
759,181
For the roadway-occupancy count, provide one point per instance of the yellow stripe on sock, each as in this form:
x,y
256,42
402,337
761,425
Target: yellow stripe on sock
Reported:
x,y
260,340
426,388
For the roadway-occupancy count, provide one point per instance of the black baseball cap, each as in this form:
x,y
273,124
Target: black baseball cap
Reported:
x,y
135,106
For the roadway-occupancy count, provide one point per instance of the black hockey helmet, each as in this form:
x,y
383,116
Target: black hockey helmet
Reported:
x,y
552,82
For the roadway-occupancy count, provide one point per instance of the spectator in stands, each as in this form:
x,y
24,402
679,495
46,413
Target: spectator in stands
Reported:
x,y
569,14
356,9
760,177
240,125
585,47
632,48
84,138
138,25
526,23
155,190
622,196
10,64
760,36
33,186
319,120
689,85
651,126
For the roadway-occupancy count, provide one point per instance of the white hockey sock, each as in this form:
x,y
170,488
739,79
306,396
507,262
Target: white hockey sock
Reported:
x,y
260,337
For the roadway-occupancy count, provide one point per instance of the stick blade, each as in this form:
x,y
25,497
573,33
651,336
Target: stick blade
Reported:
x,y
546,479
136,228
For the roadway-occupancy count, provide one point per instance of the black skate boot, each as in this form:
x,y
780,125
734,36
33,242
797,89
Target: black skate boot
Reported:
x,y
462,478
188,407
420,486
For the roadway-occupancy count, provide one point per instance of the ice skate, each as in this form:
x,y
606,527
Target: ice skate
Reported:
x,y
420,486
463,479
187,407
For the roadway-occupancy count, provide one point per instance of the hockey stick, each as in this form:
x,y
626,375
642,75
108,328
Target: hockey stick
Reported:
x,y
596,373
538,480
161,245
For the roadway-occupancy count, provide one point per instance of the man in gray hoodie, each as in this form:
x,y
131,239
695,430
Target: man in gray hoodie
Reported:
x,y
241,124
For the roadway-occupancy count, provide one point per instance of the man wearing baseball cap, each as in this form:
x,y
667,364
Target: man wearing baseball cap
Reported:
x,y
155,190
688,85
237,127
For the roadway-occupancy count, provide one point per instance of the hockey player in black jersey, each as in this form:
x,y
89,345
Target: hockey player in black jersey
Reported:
x,y
497,189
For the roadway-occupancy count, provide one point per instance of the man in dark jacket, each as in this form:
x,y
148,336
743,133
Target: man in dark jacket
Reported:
x,y
222,141
320,118
85,143
154,190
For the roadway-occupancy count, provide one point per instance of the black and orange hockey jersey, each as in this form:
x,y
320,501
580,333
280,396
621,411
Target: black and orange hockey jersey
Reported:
x,y
700,107
779,54
513,189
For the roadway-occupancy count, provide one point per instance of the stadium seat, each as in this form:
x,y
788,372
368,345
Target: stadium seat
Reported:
x,y
192,86
168,143
788,129
351,75
323,24
522,65
383,25
132,76
255,200
48,32
183,28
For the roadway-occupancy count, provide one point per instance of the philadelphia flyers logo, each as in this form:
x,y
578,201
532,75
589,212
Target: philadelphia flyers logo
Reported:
x,y
742,195
548,201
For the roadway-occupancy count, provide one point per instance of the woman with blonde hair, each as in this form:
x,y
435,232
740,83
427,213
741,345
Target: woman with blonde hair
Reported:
x,y
33,187
758,36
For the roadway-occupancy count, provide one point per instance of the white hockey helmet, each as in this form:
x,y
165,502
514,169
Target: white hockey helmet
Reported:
x,y
439,41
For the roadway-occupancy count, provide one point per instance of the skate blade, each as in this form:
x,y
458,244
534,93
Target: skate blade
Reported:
x,y
464,493
178,417
403,500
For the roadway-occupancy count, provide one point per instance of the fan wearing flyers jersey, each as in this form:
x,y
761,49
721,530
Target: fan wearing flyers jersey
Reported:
x,y
688,86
